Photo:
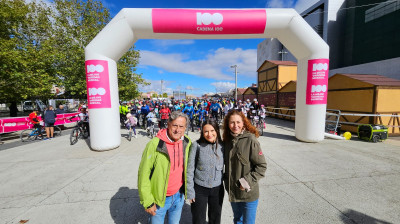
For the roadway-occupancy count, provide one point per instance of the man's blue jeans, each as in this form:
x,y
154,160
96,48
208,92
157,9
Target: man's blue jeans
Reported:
x,y
244,212
173,205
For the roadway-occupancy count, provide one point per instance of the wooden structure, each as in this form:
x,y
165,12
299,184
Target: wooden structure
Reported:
x,y
240,92
365,94
272,76
250,93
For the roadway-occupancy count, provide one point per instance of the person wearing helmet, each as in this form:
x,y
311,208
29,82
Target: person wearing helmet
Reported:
x,y
189,111
262,112
254,107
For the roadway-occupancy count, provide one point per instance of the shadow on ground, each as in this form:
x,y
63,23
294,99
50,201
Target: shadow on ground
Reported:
x,y
280,122
351,216
125,208
281,136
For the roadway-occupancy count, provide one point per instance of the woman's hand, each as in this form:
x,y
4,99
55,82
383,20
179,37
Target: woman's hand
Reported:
x,y
241,188
191,201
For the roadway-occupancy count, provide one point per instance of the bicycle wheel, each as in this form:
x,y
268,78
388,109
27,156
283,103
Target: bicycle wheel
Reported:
x,y
57,131
74,137
130,135
28,135
260,128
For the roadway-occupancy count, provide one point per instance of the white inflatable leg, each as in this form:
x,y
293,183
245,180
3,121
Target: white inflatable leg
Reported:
x,y
310,119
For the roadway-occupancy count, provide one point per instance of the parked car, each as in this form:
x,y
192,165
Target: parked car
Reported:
x,y
29,105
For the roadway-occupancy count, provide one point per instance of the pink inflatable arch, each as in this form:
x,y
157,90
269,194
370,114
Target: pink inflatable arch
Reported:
x,y
130,25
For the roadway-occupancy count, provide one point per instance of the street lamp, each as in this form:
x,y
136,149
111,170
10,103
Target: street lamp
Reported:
x,y
235,66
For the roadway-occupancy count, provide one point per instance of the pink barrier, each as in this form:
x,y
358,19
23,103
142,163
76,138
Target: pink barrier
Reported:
x,y
22,123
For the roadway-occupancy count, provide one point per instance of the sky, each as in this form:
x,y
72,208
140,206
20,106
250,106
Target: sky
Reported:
x,y
199,66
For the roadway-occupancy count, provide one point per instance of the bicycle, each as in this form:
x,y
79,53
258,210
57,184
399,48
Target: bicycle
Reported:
x,y
153,129
258,123
33,133
78,132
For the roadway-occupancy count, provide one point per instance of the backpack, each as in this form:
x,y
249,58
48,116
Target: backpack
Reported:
x,y
133,121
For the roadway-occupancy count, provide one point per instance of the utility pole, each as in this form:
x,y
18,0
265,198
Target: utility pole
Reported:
x,y
162,87
235,66
282,52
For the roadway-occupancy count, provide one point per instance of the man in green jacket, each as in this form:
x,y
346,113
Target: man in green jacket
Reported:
x,y
162,171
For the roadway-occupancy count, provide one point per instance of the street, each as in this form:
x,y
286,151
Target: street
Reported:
x,y
333,181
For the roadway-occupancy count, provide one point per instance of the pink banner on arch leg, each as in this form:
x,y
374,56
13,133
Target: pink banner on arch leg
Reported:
x,y
98,84
317,81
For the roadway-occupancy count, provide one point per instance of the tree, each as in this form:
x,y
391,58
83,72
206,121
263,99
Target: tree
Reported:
x,y
43,45
78,22
24,63
165,95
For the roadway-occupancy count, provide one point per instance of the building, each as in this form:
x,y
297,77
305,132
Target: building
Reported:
x,y
362,95
363,36
272,76
251,93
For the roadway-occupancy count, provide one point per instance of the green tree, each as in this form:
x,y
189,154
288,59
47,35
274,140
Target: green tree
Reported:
x,y
165,95
24,63
43,45
77,23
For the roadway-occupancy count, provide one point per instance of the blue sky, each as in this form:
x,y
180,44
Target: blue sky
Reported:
x,y
199,66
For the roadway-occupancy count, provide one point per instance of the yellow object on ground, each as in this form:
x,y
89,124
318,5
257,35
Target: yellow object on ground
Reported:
x,y
347,135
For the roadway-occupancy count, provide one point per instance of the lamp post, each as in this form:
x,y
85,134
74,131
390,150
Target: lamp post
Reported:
x,y
235,66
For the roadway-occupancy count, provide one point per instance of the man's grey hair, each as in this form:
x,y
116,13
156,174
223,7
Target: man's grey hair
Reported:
x,y
176,114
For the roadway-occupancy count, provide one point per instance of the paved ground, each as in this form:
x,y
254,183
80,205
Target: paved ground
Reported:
x,y
329,182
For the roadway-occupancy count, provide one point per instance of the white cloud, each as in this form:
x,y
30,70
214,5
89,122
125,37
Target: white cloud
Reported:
x,y
223,86
302,5
168,43
155,85
214,66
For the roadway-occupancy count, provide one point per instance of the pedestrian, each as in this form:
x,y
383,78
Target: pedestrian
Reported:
x,y
245,165
49,120
162,171
205,170
60,109
13,109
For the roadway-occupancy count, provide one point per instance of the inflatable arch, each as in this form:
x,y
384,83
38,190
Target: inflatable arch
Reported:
x,y
130,25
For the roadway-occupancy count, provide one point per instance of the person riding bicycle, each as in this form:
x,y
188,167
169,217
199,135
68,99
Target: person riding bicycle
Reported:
x,y
165,111
177,107
144,111
83,119
253,108
202,113
262,112
189,111
123,110
131,123
215,108
149,118
35,120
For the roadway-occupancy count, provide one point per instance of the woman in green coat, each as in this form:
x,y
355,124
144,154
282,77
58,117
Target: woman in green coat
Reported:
x,y
244,165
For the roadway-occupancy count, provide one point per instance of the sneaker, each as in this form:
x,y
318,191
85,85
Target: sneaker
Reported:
x,y
46,138
135,136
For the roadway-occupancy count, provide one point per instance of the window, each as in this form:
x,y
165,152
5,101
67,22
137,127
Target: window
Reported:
x,y
381,9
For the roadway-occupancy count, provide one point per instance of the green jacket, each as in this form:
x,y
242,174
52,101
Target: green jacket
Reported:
x,y
153,174
243,158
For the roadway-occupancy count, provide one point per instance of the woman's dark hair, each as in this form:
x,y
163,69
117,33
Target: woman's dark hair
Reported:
x,y
214,124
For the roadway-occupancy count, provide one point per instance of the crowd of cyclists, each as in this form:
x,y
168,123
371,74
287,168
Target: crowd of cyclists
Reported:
x,y
147,112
